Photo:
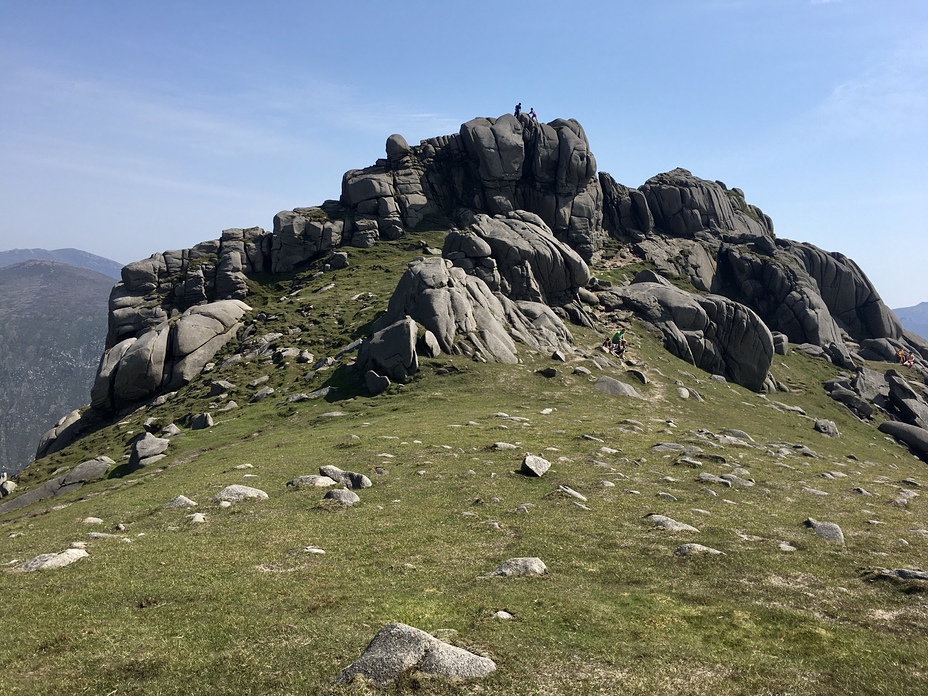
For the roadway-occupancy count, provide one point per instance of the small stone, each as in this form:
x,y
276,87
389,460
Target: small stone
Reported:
x,y
520,567
503,615
696,550
343,496
571,492
181,501
669,524
237,492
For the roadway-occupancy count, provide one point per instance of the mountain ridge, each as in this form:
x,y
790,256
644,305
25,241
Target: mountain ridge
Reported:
x,y
51,320
69,255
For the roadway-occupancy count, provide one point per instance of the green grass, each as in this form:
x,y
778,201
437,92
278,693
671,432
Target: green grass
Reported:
x,y
237,606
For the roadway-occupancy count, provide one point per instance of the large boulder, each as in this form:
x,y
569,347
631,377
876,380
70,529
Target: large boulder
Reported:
x,y
465,316
916,438
709,331
398,649
165,357
392,350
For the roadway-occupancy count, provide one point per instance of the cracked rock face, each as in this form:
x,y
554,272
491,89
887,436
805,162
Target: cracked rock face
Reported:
x,y
709,331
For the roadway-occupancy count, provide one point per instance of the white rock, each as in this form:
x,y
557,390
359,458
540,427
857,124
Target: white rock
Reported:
x,y
52,561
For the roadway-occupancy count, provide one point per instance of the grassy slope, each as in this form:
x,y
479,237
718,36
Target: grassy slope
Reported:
x,y
237,606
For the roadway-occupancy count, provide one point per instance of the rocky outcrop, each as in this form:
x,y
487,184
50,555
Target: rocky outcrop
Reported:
x,y
683,205
463,315
707,233
710,332
164,357
493,166
85,472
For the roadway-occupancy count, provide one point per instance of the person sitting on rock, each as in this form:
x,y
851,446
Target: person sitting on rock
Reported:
x,y
619,344
900,355
909,359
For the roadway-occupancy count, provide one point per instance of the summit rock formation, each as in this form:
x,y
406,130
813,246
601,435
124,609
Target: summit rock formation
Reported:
x,y
526,212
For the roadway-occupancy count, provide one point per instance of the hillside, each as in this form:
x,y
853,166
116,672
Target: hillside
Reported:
x,y
237,602
52,322
72,257
728,508
914,319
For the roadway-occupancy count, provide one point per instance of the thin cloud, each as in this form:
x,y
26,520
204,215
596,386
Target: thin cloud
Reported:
x,y
890,98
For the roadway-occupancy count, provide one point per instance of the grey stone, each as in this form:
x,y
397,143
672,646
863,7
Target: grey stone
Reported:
x,y
376,384
262,394
201,421
669,524
348,478
708,331
912,435
311,481
826,427
520,567
220,387
342,496
533,465
237,492
612,386
399,649
828,531
91,470
696,550
146,447
180,501
52,561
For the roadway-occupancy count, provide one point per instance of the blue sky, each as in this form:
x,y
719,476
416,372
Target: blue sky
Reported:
x,y
129,128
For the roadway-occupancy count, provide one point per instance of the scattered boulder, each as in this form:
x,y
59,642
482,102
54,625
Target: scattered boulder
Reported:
x,y
311,481
399,649
696,550
342,496
534,466
912,435
376,384
828,531
669,524
201,421
608,385
145,448
52,561
181,501
238,492
347,478
520,567
826,427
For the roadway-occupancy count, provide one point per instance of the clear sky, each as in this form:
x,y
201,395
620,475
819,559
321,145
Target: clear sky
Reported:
x,y
131,127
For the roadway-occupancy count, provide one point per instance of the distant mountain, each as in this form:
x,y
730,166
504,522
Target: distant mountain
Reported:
x,y
52,326
914,319
73,257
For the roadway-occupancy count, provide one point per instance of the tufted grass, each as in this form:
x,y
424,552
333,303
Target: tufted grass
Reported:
x,y
237,606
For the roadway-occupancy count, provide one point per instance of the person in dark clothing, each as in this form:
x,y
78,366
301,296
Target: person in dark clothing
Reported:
x,y
518,109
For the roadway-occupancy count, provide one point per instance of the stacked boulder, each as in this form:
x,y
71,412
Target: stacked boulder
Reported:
x,y
708,234
494,288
